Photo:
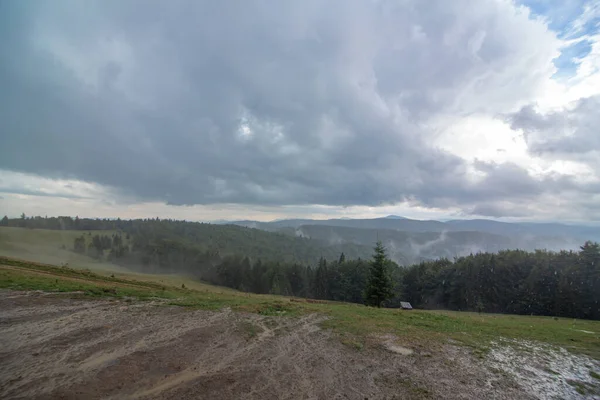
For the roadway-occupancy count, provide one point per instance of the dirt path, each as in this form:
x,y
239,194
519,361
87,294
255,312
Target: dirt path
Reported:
x,y
58,348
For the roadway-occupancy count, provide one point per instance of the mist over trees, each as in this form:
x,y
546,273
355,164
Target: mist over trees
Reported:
x,y
564,283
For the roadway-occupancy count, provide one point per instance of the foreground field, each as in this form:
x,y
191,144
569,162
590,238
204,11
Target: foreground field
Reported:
x,y
88,335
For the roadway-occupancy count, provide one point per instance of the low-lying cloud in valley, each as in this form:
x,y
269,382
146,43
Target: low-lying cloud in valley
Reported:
x,y
448,107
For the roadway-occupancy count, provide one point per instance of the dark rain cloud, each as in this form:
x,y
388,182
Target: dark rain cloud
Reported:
x,y
271,103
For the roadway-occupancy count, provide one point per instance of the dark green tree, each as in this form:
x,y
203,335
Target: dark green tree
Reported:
x,y
379,285
296,277
321,285
79,245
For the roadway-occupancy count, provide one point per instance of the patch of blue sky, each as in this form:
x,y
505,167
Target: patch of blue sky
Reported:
x,y
560,14
574,21
569,59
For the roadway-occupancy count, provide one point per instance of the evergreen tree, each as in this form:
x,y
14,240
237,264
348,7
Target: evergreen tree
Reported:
x,y
246,275
79,245
296,278
321,286
379,285
310,282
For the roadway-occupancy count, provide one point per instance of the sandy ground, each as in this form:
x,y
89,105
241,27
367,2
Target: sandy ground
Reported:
x,y
58,348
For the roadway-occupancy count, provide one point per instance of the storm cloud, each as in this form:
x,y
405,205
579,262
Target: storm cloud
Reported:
x,y
279,103
571,132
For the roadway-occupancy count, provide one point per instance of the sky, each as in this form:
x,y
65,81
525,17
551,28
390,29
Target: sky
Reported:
x,y
204,110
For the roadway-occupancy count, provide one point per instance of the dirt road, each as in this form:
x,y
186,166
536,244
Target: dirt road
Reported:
x,y
58,348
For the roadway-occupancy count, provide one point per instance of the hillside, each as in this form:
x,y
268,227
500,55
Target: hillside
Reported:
x,y
27,237
224,344
49,246
563,283
411,241
306,241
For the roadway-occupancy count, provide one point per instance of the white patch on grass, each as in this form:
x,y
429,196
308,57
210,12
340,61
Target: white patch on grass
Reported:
x,y
546,372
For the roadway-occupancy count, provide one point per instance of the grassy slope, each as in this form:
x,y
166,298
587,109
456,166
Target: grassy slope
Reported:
x,y
355,323
46,246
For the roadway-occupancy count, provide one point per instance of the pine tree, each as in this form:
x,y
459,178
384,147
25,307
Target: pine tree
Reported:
x,y
379,285
79,245
321,286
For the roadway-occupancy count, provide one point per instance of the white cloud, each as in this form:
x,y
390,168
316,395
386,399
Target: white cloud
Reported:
x,y
29,184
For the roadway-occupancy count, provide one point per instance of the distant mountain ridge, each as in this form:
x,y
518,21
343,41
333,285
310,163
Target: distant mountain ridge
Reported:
x,y
397,223
393,217
402,224
409,241
412,247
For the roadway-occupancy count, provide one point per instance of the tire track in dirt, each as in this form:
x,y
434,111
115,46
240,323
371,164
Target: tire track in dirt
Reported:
x,y
55,348
232,358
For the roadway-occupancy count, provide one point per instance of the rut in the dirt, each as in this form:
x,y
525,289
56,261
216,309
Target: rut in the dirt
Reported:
x,y
64,348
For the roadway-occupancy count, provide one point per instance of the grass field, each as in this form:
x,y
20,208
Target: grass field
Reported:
x,y
354,323
50,246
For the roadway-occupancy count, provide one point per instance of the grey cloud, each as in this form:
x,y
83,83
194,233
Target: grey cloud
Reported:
x,y
150,98
499,210
571,132
505,190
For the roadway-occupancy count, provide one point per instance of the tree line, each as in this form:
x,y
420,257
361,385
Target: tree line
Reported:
x,y
565,283
339,279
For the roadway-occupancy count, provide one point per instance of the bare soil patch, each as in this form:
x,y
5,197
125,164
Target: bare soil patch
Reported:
x,y
53,347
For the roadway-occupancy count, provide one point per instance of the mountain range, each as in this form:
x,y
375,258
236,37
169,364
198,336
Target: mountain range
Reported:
x,y
410,240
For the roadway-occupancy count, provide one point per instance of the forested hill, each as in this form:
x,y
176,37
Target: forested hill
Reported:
x,y
411,241
156,236
308,243
565,283
407,248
